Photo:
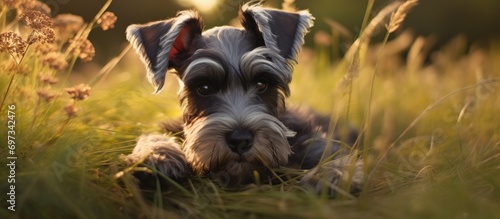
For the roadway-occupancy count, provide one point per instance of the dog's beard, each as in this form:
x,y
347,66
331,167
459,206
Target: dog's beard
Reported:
x,y
208,153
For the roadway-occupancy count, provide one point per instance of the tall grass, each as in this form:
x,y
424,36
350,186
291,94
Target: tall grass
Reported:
x,y
433,150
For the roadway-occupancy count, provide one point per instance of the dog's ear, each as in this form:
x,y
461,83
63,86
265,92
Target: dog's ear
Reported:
x,y
165,44
281,31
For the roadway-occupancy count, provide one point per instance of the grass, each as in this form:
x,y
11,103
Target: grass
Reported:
x,y
433,149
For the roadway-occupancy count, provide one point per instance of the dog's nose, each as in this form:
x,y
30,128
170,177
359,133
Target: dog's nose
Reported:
x,y
240,141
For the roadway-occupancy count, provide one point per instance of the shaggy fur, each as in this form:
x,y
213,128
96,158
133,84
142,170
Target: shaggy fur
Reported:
x,y
234,83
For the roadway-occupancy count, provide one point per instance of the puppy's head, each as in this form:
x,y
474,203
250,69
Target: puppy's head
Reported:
x,y
234,82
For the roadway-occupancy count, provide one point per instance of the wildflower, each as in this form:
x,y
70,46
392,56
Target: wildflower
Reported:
x,y
13,44
55,60
47,96
41,25
83,48
67,25
48,79
36,20
71,109
107,20
45,35
79,92
399,16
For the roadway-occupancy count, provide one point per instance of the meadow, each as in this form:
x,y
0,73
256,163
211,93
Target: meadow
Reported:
x,y
430,121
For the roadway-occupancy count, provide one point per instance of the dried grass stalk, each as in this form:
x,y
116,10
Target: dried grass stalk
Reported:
x,y
365,36
399,16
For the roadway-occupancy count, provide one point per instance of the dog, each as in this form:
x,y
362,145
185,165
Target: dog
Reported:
x,y
233,86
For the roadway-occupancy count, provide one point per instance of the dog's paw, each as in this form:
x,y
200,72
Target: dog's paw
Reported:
x,y
162,153
334,175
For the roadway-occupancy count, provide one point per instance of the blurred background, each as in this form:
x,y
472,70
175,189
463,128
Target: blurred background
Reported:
x,y
476,21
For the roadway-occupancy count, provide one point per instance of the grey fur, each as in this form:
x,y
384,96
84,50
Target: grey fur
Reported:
x,y
269,20
163,153
156,72
235,79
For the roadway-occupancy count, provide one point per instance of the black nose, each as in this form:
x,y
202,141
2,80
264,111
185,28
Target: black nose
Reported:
x,y
240,141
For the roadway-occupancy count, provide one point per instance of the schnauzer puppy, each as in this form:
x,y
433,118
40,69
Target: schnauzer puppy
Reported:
x,y
234,82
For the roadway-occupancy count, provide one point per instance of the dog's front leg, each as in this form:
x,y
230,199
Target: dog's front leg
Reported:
x,y
162,153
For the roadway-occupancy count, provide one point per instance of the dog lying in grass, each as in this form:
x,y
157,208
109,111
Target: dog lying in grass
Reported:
x,y
234,84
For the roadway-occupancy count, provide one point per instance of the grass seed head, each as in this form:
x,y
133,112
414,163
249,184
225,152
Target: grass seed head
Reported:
x,y
41,25
83,48
107,20
354,67
79,92
45,35
55,60
71,109
36,20
48,79
398,17
13,44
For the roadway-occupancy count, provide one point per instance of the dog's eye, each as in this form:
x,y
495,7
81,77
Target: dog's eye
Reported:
x,y
261,86
205,89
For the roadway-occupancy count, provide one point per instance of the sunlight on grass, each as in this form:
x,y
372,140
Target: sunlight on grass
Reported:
x,y
201,5
433,148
